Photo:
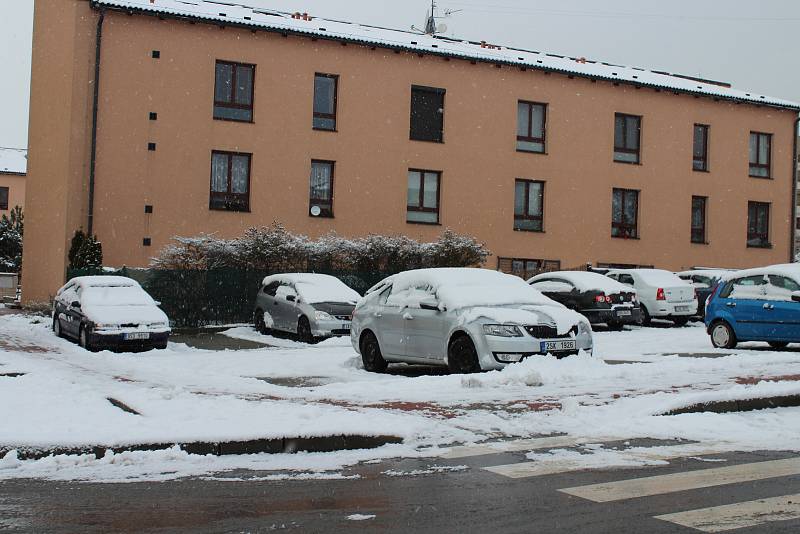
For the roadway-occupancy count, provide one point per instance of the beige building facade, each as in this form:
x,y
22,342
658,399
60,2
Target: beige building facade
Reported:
x,y
211,122
13,168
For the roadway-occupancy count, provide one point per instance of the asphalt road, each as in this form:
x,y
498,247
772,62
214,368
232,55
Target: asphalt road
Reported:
x,y
465,500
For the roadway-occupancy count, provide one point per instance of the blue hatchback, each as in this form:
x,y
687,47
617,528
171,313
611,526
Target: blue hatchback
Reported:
x,y
756,305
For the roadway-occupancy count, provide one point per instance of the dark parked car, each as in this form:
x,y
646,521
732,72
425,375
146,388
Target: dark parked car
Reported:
x,y
109,312
703,281
598,298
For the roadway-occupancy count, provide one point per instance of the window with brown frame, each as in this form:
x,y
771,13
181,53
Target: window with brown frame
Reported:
x,y
758,225
527,268
3,198
233,91
320,202
325,96
528,205
531,126
760,154
230,181
699,219
423,196
427,114
700,148
625,213
627,138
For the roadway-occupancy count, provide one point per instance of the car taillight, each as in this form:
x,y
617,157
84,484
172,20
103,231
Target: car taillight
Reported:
x,y
660,294
713,292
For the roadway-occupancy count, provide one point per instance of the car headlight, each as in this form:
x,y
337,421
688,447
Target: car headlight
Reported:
x,y
584,328
323,316
502,330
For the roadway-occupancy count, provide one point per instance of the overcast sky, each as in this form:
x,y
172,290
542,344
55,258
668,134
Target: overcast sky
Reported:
x,y
752,44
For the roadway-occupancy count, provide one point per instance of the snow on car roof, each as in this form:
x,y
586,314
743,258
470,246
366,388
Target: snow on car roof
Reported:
x,y
791,270
463,287
710,273
316,288
104,281
240,14
653,276
585,281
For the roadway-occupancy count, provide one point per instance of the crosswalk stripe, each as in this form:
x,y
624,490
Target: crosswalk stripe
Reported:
x,y
702,478
496,447
564,465
738,515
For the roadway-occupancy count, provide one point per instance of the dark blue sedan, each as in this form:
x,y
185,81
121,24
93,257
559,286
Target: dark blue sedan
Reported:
x,y
756,305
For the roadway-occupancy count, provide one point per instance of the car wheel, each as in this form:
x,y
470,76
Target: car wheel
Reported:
x,y
722,336
83,340
646,319
462,358
371,354
258,322
57,326
304,330
778,344
681,321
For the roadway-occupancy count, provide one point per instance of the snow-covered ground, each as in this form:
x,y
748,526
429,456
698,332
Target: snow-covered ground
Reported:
x,y
294,390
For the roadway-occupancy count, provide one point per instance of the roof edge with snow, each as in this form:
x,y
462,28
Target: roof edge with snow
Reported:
x,y
252,18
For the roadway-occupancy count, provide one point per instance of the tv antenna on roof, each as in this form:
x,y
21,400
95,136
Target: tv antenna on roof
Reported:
x,y
431,25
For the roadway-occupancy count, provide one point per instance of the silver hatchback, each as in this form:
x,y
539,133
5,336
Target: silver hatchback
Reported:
x,y
313,306
467,319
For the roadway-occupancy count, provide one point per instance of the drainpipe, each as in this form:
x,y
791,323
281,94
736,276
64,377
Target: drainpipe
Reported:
x,y
96,98
792,250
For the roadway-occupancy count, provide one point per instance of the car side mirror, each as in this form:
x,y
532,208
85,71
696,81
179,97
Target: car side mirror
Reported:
x,y
796,296
429,304
75,304
291,298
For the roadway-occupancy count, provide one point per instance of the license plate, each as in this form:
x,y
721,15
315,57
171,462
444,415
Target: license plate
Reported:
x,y
623,313
346,327
554,346
681,308
137,335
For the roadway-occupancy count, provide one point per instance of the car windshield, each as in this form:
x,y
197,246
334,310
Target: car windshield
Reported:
x,y
115,296
657,277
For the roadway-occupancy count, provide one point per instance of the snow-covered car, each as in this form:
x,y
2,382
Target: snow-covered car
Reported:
x,y
312,306
109,312
598,298
761,304
662,295
704,281
467,319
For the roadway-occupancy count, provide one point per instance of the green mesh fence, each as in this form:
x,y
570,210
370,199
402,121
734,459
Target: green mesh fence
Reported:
x,y
204,298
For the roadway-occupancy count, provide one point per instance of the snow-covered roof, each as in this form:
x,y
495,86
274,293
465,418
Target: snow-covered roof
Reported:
x,y
240,14
710,273
463,287
791,270
585,281
13,160
316,288
104,281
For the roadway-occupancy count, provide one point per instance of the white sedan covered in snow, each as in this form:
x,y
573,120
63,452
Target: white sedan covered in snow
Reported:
x,y
466,319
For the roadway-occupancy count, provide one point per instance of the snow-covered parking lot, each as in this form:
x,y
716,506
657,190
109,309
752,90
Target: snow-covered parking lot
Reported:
x,y
53,394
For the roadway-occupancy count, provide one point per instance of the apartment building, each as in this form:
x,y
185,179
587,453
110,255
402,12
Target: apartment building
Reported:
x,y
13,167
180,118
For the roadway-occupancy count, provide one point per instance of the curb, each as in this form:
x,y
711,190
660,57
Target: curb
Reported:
x,y
743,405
255,446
